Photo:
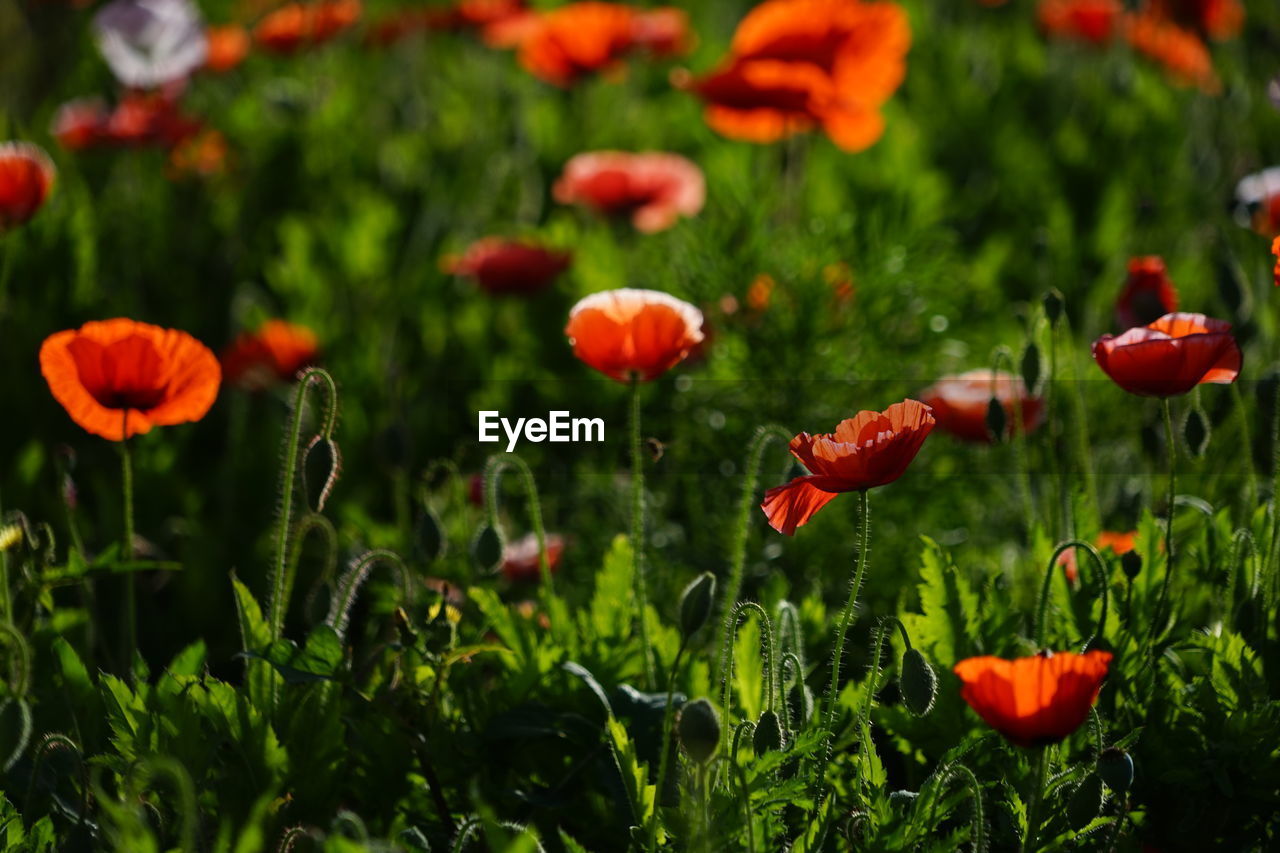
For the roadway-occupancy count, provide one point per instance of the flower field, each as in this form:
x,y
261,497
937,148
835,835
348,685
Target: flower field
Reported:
x,y
805,425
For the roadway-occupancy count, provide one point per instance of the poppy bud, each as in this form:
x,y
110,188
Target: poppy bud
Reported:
x,y
699,730
903,800
1031,367
429,536
486,549
1053,305
320,468
1131,562
800,701
1115,766
695,603
1085,802
918,684
768,735
1196,431
997,421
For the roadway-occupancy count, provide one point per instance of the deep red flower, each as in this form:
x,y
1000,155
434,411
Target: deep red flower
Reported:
x,y
228,46
1170,356
1037,700
1094,21
118,378
26,176
520,563
148,118
80,123
868,450
1148,293
272,355
628,334
960,403
1275,250
653,188
510,266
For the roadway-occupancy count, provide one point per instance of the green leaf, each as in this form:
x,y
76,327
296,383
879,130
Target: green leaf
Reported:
x,y
610,613
946,628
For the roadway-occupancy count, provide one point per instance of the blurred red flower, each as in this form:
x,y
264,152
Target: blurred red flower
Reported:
x,y
118,378
654,189
520,563
1182,52
1094,21
628,334
80,123
1216,19
795,65
868,450
1037,700
228,46
1275,250
26,176
960,403
1119,544
1148,293
300,25
1170,356
139,119
502,266
1258,201
566,43
273,354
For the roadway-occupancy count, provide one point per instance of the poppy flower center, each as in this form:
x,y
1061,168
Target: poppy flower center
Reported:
x,y
125,374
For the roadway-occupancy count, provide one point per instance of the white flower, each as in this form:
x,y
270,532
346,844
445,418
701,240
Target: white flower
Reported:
x,y
149,43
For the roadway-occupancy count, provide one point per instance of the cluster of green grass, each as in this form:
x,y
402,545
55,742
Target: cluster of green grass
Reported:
x,y
1010,166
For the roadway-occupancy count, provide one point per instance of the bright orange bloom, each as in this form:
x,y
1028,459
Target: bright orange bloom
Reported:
x,y
1148,293
654,189
1275,250
520,563
663,31
26,176
569,42
1182,52
760,293
1216,19
228,46
1094,21
868,450
118,378
1170,356
628,333
298,25
795,65
1118,543
960,403
510,266
1037,700
273,354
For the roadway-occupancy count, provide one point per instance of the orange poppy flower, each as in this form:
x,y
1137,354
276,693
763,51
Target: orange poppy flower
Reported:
x,y
228,46
520,563
119,378
26,176
1216,19
1118,543
1037,700
299,25
960,403
572,41
273,354
1148,293
1170,356
510,266
868,450
628,333
1275,250
654,189
1182,52
1094,21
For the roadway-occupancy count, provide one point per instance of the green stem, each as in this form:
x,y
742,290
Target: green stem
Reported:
x,y
126,553
1037,799
666,746
1246,444
1162,602
637,535
1101,579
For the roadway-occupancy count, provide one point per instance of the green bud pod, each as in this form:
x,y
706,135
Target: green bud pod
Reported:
x,y
903,800
1196,431
1031,367
997,420
768,735
320,468
698,728
1131,563
1053,305
1085,802
429,536
486,549
1115,766
696,602
918,684
800,701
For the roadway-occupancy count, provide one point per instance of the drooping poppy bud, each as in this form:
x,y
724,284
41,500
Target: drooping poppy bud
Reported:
x,y
1115,766
696,602
486,548
698,728
768,736
918,683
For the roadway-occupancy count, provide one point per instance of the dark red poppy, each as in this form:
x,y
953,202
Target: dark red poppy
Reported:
x,y
228,46
868,450
272,355
148,118
520,563
118,378
1275,250
26,176
1094,21
1170,356
633,334
1148,293
960,403
510,266
1037,700
653,188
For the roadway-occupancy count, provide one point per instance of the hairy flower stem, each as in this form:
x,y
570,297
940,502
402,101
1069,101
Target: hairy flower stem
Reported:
x,y
1037,799
1158,616
637,536
667,723
126,552
842,628
1101,579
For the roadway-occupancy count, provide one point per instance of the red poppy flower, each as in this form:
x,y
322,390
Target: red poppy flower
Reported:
x,y
654,189
118,378
228,46
273,354
572,41
1148,293
628,334
1275,250
1118,543
299,25
26,176
1094,21
520,562
960,403
80,123
868,450
1182,52
142,118
510,266
1170,356
1037,700
1217,19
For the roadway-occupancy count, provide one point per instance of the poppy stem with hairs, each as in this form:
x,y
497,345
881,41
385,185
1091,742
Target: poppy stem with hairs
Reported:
x,y
666,744
126,553
1159,615
842,628
1040,777
638,580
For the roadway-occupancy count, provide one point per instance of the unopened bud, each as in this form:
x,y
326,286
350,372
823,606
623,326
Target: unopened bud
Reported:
x,y
919,683
429,536
699,730
997,420
1031,367
1131,563
695,603
768,735
486,549
1115,766
1053,305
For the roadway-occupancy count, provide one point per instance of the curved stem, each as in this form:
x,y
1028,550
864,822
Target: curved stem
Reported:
x,y
864,721
351,581
637,535
493,469
766,639
1037,798
1159,615
1102,579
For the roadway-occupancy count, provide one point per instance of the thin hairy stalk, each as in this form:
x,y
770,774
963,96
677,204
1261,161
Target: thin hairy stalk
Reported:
x,y
864,718
744,800
638,579
344,597
667,717
126,551
978,824
767,642
1158,616
1041,775
48,744
1101,579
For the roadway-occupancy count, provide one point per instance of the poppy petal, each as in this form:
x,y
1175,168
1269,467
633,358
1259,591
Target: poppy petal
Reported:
x,y
792,505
